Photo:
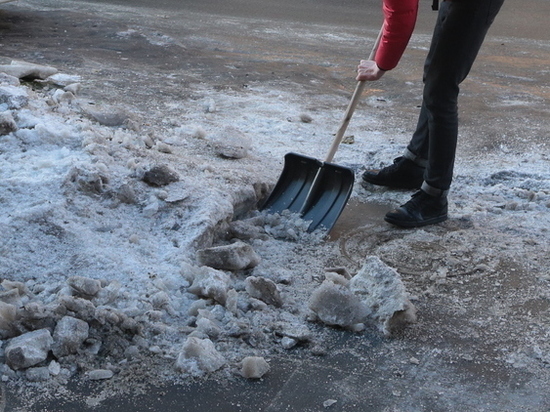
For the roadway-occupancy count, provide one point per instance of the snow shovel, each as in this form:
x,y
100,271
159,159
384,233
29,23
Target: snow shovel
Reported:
x,y
317,190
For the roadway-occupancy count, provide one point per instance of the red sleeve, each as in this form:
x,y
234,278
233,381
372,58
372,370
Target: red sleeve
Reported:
x,y
399,21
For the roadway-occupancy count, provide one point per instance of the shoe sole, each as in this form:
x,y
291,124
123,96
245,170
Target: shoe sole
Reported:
x,y
410,224
410,187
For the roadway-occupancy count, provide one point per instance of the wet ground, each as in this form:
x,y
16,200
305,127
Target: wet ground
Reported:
x,y
443,364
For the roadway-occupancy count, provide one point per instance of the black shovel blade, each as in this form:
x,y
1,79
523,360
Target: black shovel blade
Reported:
x,y
328,196
317,190
294,184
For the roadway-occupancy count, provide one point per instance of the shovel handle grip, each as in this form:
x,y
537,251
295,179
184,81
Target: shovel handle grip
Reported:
x,y
351,107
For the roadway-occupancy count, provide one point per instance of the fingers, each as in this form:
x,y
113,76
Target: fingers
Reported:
x,y
368,70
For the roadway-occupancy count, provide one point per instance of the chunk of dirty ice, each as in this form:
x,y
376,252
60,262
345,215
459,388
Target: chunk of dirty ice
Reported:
x,y
337,305
68,335
209,106
40,374
232,143
63,79
14,97
54,368
209,327
254,367
336,278
100,374
84,287
288,343
160,300
37,310
82,307
177,192
108,294
306,118
329,402
61,96
21,287
131,352
256,304
28,349
193,309
296,331
8,314
88,178
107,116
9,79
341,271
160,175
232,302
380,288
247,229
198,357
414,361
126,194
10,296
235,256
264,289
25,70
210,283
7,123
276,274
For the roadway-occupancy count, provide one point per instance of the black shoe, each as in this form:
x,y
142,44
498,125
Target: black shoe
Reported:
x,y
421,210
402,174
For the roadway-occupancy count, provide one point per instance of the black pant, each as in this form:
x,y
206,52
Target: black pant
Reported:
x,y
459,32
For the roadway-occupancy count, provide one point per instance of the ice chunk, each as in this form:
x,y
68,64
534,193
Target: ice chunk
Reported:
x,y
54,368
7,315
100,374
84,287
7,123
264,289
83,308
336,305
210,283
236,256
68,335
232,143
199,356
160,175
254,367
288,343
380,288
14,97
37,374
25,70
209,327
28,349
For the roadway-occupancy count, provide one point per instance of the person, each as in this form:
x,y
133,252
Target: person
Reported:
x,y
428,161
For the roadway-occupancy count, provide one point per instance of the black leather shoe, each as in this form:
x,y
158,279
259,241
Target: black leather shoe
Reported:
x,y
421,210
402,174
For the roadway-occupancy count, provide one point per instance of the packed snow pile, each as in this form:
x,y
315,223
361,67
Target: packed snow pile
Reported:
x,y
126,249
113,253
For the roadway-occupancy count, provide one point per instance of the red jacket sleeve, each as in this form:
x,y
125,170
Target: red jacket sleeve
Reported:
x,y
399,21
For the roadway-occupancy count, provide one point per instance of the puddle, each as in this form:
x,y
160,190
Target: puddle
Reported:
x,y
358,214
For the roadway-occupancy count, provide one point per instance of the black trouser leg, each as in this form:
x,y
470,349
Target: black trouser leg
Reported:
x,y
458,35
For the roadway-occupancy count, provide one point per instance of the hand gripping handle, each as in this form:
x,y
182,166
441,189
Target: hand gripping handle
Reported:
x,y
351,107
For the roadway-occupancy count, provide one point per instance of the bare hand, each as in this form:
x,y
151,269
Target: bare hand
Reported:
x,y
369,70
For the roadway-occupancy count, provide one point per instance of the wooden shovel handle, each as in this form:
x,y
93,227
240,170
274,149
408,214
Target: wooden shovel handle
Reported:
x,y
351,107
